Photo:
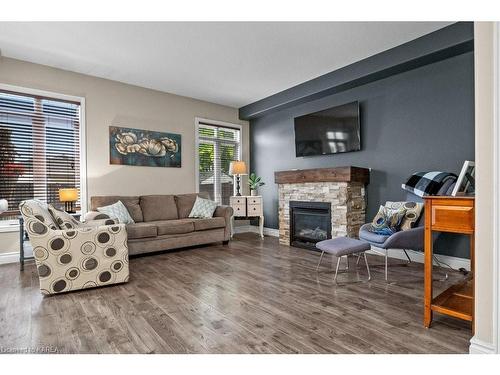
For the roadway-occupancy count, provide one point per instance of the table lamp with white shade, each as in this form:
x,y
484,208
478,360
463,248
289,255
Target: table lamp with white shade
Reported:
x,y
237,168
69,197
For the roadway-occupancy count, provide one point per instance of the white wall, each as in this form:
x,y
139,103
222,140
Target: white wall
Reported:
x,y
484,340
114,103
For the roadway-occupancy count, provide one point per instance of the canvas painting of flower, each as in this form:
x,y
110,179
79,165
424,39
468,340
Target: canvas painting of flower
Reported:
x,y
128,146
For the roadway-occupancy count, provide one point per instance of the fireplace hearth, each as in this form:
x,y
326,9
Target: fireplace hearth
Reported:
x,y
310,222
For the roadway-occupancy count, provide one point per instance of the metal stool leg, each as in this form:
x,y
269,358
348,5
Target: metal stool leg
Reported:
x,y
337,269
386,256
320,259
407,256
367,267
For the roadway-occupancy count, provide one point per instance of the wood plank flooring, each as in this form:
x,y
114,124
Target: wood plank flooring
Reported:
x,y
253,296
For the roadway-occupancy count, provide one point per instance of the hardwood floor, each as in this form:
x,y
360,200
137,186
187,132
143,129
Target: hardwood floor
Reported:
x,y
253,296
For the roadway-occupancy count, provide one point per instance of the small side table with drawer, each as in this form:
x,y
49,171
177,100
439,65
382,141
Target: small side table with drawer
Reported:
x,y
247,207
452,215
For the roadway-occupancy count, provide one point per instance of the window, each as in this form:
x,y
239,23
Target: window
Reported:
x,y
39,148
217,147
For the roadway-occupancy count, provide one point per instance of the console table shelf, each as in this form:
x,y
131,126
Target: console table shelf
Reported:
x,y
456,301
453,215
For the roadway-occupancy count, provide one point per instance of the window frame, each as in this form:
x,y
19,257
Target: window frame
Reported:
x,y
82,133
199,121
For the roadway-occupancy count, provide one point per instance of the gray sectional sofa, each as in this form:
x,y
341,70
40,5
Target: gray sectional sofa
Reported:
x,y
162,223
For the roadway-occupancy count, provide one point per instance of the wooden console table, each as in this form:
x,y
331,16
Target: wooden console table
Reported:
x,y
453,215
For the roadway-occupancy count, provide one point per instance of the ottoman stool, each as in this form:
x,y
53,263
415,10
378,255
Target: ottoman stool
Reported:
x,y
343,246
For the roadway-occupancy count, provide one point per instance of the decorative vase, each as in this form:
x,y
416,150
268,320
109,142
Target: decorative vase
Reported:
x,y
253,193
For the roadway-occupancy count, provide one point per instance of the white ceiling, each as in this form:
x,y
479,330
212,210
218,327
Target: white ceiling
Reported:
x,y
227,63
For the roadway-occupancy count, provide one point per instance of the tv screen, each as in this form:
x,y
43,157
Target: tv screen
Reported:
x,y
329,131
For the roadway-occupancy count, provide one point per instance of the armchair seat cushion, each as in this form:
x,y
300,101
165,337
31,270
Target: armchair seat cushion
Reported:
x,y
212,223
141,230
179,226
366,233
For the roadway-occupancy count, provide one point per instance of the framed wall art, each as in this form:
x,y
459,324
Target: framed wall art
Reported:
x,y
146,148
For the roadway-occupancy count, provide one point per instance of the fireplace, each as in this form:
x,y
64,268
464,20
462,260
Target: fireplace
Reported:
x,y
310,222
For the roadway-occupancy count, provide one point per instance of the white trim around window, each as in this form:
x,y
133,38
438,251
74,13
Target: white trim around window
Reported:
x,y
496,187
83,143
197,121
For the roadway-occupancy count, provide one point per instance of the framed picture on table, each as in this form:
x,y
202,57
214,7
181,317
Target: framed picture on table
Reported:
x,y
466,182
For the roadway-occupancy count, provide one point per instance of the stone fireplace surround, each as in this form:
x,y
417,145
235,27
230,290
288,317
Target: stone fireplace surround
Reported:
x,y
342,187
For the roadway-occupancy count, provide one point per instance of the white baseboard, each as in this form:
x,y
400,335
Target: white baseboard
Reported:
x,y
480,347
6,258
418,257
255,229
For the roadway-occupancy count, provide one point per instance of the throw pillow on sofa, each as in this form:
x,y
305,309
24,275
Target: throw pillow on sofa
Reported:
x,y
413,212
203,208
388,221
119,211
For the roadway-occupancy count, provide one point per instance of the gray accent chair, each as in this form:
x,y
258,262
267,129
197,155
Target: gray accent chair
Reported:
x,y
411,239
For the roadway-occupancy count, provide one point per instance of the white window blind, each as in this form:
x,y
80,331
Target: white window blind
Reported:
x,y
217,147
39,148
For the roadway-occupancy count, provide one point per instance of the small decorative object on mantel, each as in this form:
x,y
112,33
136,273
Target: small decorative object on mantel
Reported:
x,y
237,168
466,181
128,146
254,182
69,197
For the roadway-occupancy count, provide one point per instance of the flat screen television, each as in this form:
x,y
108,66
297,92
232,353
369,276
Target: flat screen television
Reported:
x,y
330,131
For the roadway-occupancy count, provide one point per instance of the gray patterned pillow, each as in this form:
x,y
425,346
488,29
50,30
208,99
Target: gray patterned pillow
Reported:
x,y
203,208
119,211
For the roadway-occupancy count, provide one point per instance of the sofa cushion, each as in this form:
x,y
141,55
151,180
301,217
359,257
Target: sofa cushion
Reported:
x,y
141,230
185,203
132,204
174,226
212,223
158,207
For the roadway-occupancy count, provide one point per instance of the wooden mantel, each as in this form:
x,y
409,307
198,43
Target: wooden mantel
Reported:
x,y
336,174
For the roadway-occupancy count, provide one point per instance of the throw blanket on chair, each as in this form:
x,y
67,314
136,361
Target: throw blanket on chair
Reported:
x,y
427,183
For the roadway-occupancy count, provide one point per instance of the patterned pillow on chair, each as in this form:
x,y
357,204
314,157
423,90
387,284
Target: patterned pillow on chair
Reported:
x,y
413,211
63,219
203,208
38,210
388,221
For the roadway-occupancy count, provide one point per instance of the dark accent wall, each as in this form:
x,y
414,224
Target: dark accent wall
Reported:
x,y
418,120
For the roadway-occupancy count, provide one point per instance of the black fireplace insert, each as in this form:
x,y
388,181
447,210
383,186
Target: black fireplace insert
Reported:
x,y
310,222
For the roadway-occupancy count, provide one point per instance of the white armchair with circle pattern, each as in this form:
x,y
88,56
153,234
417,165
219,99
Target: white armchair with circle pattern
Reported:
x,y
84,256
